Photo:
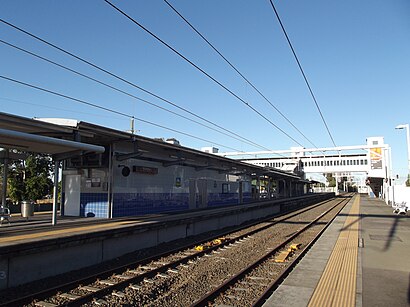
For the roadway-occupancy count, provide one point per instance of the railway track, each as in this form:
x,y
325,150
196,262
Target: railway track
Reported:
x,y
252,285
197,273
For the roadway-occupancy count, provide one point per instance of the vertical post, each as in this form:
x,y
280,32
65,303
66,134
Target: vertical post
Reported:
x,y
61,203
55,192
408,147
390,177
110,181
285,189
268,188
386,191
289,185
406,126
192,194
393,204
132,125
4,187
337,183
258,189
240,192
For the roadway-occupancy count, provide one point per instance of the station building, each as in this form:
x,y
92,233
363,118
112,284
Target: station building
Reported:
x,y
138,175
135,175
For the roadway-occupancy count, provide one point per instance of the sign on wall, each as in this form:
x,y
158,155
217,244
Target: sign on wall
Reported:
x,y
145,170
376,158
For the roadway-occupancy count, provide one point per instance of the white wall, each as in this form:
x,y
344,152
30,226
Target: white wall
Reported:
x,y
170,179
400,193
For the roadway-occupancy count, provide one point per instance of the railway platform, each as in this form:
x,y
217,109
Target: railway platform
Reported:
x,y
361,260
31,250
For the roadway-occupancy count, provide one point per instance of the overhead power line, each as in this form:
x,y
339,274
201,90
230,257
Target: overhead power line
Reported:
x,y
124,92
301,70
67,97
55,108
124,80
237,70
110,110
201,70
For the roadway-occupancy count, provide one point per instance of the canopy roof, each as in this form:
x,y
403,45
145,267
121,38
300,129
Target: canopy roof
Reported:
x,y
62,137
36,136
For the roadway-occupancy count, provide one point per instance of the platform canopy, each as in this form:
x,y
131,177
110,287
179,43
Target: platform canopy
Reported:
x,y
43,144
65,138
35,136
30,135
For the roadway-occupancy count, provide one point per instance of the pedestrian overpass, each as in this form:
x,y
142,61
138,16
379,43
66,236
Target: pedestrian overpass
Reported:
x,y
371,163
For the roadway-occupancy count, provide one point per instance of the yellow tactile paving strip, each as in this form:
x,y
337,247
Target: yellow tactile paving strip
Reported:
x,y
337,286
59,232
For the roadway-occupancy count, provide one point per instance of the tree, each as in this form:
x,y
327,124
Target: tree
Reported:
x,y
331,180
30,179
15,182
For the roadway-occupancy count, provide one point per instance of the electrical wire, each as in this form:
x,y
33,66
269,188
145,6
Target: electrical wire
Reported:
x,y
111,111
67,97
125,93
124,80
54,108
201,70
301,70
237,70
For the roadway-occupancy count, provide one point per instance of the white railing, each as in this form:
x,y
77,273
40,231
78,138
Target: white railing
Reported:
x,y
324,189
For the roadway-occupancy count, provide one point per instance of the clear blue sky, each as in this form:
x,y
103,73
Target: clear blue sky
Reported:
x,y
356,55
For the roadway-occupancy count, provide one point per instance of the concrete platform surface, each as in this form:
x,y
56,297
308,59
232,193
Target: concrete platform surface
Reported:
x,y
385,256
383,264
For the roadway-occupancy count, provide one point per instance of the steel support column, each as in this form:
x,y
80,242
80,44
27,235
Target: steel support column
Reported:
x,y
4,187
55,192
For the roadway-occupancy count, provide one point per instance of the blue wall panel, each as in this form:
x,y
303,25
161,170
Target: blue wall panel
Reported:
x,y
128,204
247,197
94,204
221,199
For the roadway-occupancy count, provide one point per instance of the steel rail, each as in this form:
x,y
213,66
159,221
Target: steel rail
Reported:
x,y
122,284
210,296
272,286
120,269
